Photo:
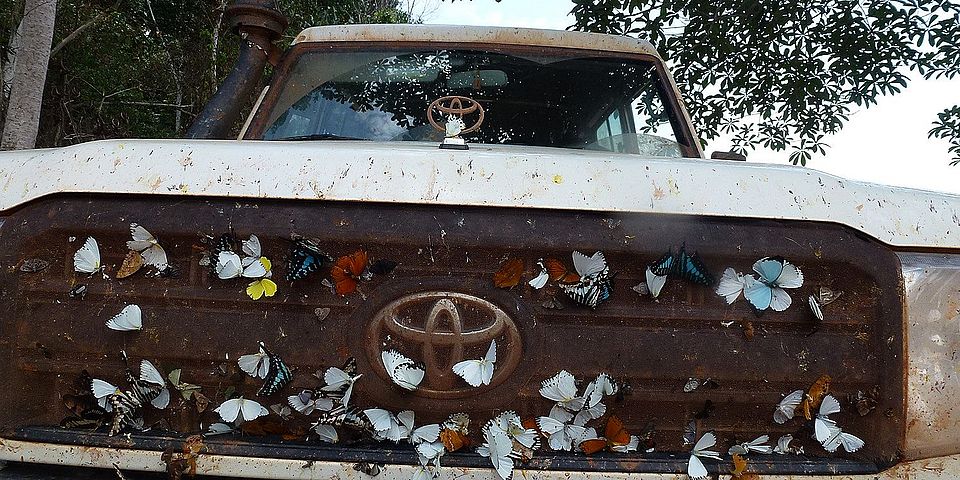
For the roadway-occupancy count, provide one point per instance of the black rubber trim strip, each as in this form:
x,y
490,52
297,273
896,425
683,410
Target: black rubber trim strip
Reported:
x,y
385,453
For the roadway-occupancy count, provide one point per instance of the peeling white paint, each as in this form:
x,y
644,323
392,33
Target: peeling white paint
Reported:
x,y
409,172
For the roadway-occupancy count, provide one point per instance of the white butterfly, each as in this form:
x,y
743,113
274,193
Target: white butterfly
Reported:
x,y
102,390
403,371
336,379
386,425
630,447
783,446
655,282
229,265
823,426
129,319
326,433
87,259
256,365
430,452
427,433
218,429
563,435
562,388
594,392
541,279
499,448
695,468
757,445
477,372
838,437
509,423
788,407
306,403
815,307
767,291
238,410
251,248
731,285
148,246
150,374
589,266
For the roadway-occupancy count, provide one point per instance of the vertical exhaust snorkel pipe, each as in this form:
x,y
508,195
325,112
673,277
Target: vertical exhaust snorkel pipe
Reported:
x,y
259,24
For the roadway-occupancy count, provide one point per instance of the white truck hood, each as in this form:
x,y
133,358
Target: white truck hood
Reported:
x,y
491,175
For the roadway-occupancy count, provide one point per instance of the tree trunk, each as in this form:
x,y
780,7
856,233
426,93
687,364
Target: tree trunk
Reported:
x,y
6,72
29,76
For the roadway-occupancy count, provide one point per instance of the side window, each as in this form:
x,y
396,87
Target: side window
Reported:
x,y
610,133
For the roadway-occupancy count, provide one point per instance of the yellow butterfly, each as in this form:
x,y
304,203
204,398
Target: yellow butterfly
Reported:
x,y
263,286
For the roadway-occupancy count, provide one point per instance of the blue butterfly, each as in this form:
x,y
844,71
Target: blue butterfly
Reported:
x,y
278,374
305,258
682,265
775,274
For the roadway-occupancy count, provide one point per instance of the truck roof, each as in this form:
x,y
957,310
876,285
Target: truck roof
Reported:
x,y
472,34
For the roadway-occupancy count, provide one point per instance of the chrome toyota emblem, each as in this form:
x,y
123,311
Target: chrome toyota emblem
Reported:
x,y
455,107
440,329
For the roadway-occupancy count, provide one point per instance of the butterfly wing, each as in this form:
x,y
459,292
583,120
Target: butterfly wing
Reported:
x,y
228,265
162,399
251,410
326,433
278,375
769,269
150,374
587,266
787,407
255,365
491,356
790,276
757,293
655,282
142,239
691,268
155,256
663,266
251,247
129,319
427,433
541,279
829,406
471,371
305,258
695,468
815,307
824,428
731,285
102,389
229,410
593,445
850,442
87,259
500,448
615,432
509,273
779,299
706,441
255,269
558,271
560,388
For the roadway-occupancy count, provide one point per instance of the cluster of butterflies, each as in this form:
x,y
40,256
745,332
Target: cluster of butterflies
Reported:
x,y
144,249
826,430
408,374
588,284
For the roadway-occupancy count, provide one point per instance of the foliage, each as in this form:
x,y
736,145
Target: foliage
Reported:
x,y
947,127
783,74
144,68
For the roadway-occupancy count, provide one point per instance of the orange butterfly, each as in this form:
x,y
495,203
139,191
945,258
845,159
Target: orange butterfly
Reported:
x,y
739,465
347,270
508,276
815,395
454,440
558,271
614,435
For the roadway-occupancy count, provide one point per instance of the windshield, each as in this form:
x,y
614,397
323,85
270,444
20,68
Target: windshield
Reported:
x,y
593,103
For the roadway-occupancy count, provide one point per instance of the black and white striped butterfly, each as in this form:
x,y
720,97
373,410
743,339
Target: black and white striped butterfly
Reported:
x,y
149,388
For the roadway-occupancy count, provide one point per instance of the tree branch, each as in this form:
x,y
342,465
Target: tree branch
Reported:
x,y
74,34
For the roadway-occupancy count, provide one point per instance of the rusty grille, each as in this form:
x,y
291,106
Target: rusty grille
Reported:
x,y
193,321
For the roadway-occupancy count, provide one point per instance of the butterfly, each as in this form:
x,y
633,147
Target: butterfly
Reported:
x,y
787,407
731,285
306,402
129,319
386,425
150,375
508,275
591,291
757,445
454,432
828,433
425,434
326,433
87,259
239,410
695,468
814,395
256,365
654,283
767,291
347,271
614,435
477,372
851,443
403,371
558,272
261,288
342,380
592,395
562,388
305,258
187,390
509,423
148,246
783,446
541,279
682,265
498,447
278,374
563,434
148,388
368,468
132,263
739,465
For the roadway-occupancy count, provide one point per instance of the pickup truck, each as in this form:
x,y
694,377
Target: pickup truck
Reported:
x,y
440,251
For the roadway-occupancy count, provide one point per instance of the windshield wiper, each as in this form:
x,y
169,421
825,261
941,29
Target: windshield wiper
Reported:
x,y
320,136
